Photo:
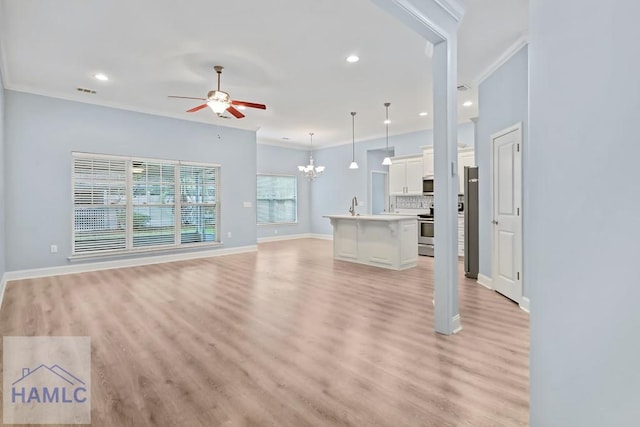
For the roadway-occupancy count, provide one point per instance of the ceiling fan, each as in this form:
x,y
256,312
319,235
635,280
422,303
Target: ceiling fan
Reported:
x,y
220,101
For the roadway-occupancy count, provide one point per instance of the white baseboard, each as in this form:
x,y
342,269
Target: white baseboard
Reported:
x,y
131,262
456,323
295,236
284,237
322,236
525,305
485,281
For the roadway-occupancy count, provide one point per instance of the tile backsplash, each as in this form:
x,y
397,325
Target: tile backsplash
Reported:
x,y
413,202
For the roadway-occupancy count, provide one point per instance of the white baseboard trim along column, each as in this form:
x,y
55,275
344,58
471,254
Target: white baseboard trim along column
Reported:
x,y
525,305
457,324
3,286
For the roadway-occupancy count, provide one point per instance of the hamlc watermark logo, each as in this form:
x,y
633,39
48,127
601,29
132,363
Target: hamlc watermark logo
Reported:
x,y
47,380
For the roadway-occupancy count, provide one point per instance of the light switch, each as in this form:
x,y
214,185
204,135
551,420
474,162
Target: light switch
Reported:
x,y
246,204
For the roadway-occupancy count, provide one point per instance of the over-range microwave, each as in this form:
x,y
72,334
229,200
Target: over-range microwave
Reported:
x,y
427,186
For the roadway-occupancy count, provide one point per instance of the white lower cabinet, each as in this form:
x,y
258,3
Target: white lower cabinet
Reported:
x,y
386,241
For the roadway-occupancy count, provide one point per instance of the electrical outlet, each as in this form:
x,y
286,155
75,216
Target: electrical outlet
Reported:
x,y
54,249
275,231
229,234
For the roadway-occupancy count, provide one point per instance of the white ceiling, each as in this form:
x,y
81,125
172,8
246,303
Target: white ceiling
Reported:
x,y
287,54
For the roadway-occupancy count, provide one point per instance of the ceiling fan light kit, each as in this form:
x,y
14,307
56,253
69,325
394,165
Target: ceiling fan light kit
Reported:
x,y
220,101
310,171
354,164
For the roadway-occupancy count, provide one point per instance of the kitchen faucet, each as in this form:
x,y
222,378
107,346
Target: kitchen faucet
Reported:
x,y
354,203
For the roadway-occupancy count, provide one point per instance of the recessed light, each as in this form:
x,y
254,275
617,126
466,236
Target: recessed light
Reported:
x,y
467,104
353,58
101,77
386,122
241,107
424,113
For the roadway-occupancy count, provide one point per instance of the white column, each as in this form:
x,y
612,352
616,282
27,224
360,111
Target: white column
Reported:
x,y
438,21
447,315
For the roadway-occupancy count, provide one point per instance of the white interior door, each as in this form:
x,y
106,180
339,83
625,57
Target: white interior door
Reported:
x,y
507,215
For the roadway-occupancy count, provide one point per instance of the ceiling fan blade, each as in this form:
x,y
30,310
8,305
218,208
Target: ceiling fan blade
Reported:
x,y
249,104
237,114
198,108
186,97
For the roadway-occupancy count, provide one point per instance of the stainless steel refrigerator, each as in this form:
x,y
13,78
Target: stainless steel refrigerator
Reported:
x,y
471,256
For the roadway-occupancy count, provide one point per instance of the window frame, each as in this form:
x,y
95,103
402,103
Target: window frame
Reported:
x,y
129,207
295,177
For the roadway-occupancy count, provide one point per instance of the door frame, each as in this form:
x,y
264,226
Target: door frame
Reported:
x,y
519,198
386,190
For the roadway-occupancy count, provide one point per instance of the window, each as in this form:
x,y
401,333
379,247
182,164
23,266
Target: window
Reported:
x,y
123,205
277,199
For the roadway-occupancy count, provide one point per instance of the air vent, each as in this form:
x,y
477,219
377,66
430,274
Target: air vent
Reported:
x,y
85,90
463,88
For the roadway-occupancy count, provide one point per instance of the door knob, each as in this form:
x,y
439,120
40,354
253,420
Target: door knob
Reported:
x,y
494,222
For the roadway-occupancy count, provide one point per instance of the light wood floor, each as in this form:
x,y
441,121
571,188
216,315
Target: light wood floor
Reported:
x,y
282,337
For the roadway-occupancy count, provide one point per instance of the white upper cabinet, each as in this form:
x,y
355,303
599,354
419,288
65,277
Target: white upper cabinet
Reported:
x,y
405,176
414,176
397,177
427,160
466,157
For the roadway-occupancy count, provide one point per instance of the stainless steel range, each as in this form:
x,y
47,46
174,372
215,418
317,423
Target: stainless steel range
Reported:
x,y
426,233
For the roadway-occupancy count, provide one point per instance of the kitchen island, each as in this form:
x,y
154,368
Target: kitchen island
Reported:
x,y
386,241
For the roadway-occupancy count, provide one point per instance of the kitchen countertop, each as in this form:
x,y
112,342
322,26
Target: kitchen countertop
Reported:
x,y
393,217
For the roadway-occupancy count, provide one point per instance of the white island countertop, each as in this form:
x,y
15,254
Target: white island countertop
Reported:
x,y
382,217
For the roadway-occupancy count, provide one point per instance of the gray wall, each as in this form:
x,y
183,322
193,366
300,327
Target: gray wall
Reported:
x,y
332,193
503,101
583,224
2,173
42,132
285,161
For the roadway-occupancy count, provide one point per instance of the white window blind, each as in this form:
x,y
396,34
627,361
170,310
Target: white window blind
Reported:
x,y
122,204
153,197
198,197
276,199
100,200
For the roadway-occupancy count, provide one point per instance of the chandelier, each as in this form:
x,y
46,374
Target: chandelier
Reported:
x,y
310,171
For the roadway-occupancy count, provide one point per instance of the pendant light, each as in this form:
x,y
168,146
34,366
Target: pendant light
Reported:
x,y
353,164
310,171
387,160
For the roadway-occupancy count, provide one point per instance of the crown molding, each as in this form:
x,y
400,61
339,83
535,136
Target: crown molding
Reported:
x,y
282,144
521,42
454,8
100,103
